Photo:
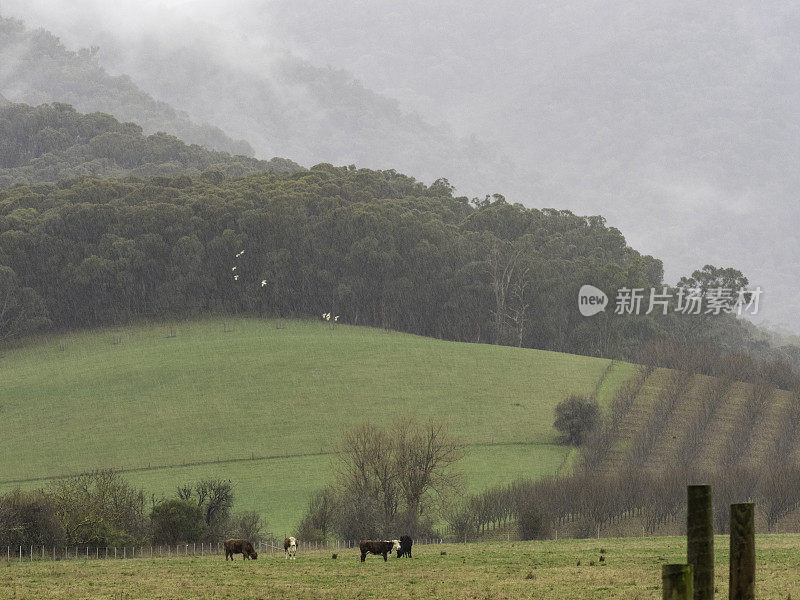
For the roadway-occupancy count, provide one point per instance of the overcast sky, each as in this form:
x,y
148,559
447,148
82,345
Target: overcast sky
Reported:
x,y
678,122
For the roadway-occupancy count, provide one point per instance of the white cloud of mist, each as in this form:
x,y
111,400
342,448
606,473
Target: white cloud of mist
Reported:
x,y
677,121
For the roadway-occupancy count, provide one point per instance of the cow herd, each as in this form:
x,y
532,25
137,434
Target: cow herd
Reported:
x,y
378,547
386,547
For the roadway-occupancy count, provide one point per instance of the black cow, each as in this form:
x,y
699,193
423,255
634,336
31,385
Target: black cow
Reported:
x,y
405,546
375,547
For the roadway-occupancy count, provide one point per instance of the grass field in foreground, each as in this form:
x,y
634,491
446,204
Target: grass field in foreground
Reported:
x,y
547,570
219,390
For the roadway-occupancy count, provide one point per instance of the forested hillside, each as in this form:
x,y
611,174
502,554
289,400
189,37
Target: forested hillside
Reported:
x,y
375,247
38,69
282,105
53,142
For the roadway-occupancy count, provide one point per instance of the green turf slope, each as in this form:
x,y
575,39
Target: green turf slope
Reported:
x,y
264,405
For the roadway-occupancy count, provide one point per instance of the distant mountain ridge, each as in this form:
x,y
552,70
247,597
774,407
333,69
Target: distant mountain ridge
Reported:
x,y
48,143
37,68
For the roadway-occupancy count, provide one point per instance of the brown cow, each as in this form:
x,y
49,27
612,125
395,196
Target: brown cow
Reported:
x,y
237,546
383,547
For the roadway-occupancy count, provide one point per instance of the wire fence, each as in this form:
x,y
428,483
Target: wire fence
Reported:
x,y
268,547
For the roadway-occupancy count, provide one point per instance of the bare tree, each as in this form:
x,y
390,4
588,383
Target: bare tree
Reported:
x,y
503,262
424,456
519,307
367,467
390,478
215,497
247,525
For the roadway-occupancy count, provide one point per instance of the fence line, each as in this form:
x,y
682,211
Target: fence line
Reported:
x,y
38,553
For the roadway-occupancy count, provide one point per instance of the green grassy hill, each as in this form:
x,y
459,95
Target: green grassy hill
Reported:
x,y
263,406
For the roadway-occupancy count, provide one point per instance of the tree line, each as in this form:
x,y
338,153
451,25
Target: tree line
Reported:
x,y
375,247
630,501
101,509
52,142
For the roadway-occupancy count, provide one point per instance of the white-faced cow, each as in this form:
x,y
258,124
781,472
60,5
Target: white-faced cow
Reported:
x,y
290,547
382,547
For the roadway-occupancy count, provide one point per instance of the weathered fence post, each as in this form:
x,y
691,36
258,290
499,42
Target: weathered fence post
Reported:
x,y
700,540
743,553
676,582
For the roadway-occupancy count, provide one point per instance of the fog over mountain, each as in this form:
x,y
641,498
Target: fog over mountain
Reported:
x,y
678,122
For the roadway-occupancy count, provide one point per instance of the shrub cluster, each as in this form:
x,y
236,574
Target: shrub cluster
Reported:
x,y
101,509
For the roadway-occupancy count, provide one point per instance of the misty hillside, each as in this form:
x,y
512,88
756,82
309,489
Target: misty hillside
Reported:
x,y
676,119
289,107
37,69
49,143
283,106
676,122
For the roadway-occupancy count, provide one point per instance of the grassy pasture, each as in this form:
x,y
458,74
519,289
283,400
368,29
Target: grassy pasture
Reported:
x,y
546,570
247,394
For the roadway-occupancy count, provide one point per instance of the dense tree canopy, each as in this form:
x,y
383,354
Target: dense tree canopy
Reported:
x,y
52,142
375,247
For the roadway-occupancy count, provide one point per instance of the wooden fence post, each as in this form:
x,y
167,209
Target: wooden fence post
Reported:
x,y
743,553
700,540
676,582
